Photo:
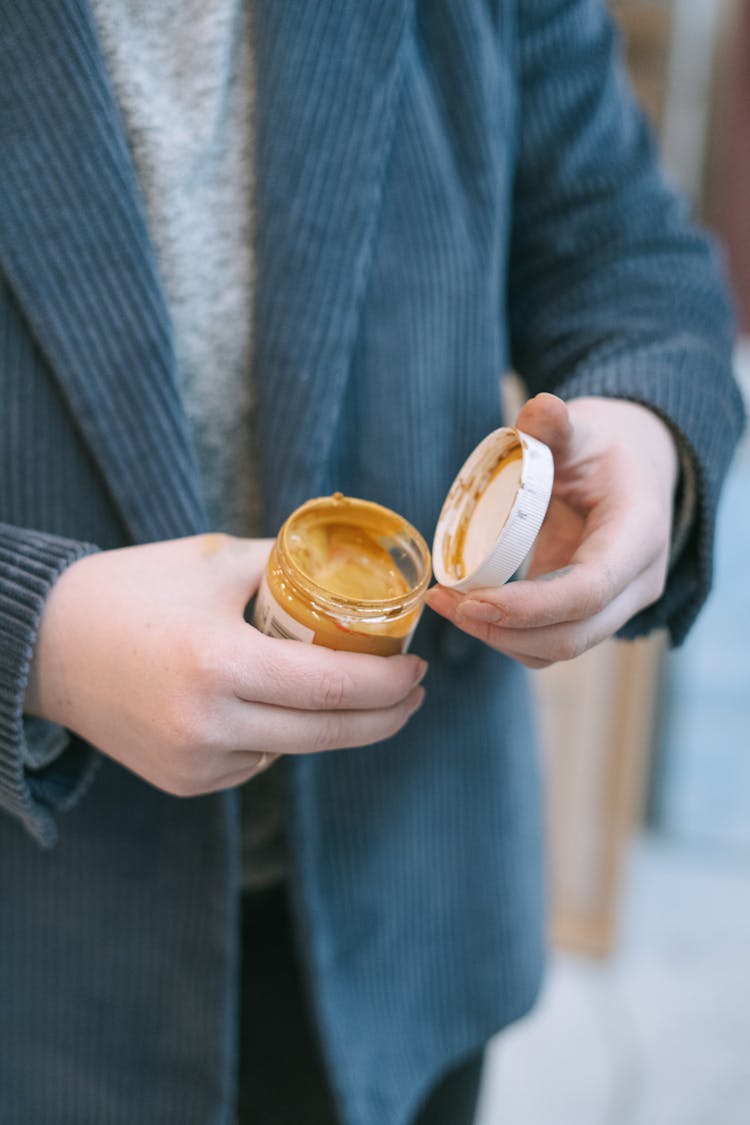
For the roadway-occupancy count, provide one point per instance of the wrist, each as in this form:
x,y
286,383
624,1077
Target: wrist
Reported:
x,y
50,661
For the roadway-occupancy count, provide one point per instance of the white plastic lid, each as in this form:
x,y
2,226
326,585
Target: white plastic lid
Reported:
x,y
493,512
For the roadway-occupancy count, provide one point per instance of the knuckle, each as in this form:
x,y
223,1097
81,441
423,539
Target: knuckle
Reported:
x,y
184,728
484,631
271,667
280,666
190,728
328,735
569,646
332,690
530,619
206,660
600,594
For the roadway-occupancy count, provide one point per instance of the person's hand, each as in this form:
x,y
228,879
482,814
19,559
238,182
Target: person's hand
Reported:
x,y
603,550
145,653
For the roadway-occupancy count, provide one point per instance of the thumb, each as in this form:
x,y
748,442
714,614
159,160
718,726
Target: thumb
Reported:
x,y
243,562
547,418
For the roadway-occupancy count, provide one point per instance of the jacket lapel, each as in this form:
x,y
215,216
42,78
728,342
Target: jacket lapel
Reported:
x,y
74,248
74,244
329,80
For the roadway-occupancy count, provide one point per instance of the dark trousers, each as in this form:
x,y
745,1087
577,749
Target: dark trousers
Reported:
x,y
282,1077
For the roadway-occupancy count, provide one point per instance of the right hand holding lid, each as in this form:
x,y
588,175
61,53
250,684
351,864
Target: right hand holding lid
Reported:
x,y
602,552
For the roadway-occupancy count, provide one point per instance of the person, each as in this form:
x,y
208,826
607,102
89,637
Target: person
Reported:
x,y
417,196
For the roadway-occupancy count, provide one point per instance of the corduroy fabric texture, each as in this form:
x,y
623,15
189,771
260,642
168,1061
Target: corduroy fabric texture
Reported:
x,y
29,564
441,189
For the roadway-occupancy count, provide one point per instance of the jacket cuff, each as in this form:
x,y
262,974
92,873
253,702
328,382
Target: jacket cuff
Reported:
x,y
685,501
706,426
42,769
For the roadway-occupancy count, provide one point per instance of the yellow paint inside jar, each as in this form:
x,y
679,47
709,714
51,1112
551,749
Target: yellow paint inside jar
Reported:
x,y
347,560
347,574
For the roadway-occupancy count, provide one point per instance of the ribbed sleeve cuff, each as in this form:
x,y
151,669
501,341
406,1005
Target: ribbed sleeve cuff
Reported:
x,y
704,410
42,770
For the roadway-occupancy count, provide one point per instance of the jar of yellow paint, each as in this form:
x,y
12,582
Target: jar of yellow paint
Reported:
x,y
347,574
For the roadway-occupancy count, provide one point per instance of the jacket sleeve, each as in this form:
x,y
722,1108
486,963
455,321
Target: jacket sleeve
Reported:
x,y
611,291
42,769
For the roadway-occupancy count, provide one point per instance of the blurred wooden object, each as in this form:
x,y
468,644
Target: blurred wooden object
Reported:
x,y
646,28
596,716
726,179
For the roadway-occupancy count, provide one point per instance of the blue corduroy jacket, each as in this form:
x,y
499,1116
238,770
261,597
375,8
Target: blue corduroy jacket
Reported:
x,y
444,189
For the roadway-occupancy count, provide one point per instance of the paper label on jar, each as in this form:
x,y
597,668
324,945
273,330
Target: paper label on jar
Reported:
x,y
270,618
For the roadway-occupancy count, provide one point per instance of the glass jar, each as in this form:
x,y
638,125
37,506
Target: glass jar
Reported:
x,y
347,574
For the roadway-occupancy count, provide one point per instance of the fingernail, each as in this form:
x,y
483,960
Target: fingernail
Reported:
x,y
441,599
479,611
417,698
421,671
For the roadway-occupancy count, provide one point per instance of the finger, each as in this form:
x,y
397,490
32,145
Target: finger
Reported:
x,y
244,561
312,678
538,647
547,418
576,592
287,731
612,557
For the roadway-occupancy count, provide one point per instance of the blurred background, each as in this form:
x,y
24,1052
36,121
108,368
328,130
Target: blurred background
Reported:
x,y
645,1016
